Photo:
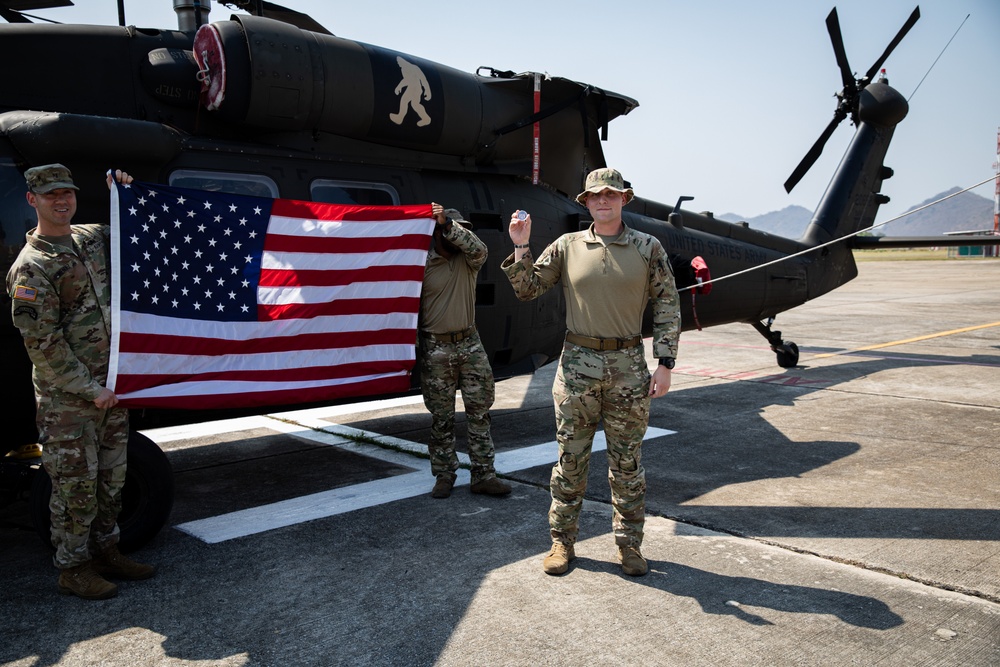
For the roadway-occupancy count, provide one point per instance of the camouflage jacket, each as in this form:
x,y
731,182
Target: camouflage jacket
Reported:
x,y
448,297
607,286
61,303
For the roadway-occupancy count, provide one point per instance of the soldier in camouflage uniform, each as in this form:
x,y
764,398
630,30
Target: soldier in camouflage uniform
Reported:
x,y
608,274
61,295
451,355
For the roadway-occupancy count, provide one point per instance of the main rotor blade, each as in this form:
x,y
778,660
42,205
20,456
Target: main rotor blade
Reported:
x,y
833,27
814,153
894,43
292,17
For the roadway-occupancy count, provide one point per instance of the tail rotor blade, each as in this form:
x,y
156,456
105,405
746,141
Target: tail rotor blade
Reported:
x,y
893,44
833,27
813,154
850,94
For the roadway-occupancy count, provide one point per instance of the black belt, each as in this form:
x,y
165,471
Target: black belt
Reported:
x,y
603,344
452,337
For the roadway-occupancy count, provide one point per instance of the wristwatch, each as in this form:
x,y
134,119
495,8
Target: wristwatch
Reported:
x,y
667,361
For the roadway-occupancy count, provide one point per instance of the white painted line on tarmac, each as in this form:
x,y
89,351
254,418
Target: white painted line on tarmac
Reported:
x,y
311,417
307,508
367,494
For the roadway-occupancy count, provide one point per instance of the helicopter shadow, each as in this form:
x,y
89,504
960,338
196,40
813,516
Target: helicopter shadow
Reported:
x,y
727,440
303,594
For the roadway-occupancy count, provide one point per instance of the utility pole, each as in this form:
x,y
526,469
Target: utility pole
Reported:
x,y
994,250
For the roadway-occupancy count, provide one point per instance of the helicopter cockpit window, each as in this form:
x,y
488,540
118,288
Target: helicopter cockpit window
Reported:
x,y
253,185
16,216
354,192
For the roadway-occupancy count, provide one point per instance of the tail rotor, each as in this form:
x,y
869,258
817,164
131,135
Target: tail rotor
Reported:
x,y
849,95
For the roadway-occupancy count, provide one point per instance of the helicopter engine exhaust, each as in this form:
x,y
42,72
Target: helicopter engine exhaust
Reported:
x,y
192,14
274,76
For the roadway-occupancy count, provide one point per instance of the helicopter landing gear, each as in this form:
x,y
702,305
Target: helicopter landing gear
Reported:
x,y
787,351
147,497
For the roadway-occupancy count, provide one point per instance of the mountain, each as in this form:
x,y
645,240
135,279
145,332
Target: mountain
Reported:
x,y
961,213
790,222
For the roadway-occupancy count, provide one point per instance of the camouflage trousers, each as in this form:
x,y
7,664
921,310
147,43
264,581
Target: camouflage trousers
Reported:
x,y
444,369
593,386
84,451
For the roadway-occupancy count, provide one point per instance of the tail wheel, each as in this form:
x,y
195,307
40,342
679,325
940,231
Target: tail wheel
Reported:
x,y
147,497
788,355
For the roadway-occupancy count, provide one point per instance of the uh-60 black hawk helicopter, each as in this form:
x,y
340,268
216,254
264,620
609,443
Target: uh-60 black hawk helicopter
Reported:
x,y
271,104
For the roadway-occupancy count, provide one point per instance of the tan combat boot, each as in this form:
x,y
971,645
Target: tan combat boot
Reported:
x,y
558,559
491,487
443,485
633,564
83,582
111,563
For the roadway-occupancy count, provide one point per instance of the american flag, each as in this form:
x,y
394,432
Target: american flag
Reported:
x,y
223,301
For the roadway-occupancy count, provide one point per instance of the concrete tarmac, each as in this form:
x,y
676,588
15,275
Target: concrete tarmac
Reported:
x,y
842,512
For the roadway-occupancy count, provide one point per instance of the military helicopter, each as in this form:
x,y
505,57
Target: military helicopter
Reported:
x,y
270,103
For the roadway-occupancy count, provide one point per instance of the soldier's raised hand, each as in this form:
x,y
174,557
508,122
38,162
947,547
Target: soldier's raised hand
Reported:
x,y
520,227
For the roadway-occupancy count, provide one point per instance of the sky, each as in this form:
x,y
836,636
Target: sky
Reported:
x,y
731,93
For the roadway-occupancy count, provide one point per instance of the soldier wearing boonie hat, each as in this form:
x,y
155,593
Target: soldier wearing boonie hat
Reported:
x,y
61,303
49,177
609,273
604,179
451,356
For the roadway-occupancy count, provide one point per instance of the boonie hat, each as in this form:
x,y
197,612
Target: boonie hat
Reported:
x,y
49,177
605,179
455,216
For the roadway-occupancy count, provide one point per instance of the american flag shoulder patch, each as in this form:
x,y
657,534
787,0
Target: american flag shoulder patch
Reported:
x,y
25,293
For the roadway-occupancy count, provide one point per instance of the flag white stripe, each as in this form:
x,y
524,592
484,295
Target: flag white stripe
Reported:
x,y
325,261
274,296
168,364
348,229
141,323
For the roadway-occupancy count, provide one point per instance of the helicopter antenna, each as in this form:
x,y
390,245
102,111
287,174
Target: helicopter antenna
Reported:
x,y
938,58
850,95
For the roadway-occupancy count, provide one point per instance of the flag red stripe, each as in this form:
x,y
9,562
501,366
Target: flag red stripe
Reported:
x,y
316,278
310,210
291,311
391,385
131,383
340,244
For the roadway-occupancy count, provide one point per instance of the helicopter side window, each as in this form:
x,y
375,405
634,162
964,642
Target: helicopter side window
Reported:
x,y
353,192
16,216
232,183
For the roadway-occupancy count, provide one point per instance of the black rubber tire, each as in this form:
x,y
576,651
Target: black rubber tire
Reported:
x,y
788,356
147,497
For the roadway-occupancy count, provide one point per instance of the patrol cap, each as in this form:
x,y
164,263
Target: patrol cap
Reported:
x,y
605,179
49,177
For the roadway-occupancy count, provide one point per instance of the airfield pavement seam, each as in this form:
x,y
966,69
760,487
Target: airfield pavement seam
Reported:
x,y
954,588
930,583
917,399
818,386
